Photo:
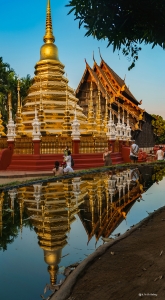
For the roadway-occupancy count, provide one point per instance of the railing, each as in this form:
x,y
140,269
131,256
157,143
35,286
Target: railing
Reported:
x,y
55,144
90,144
23,146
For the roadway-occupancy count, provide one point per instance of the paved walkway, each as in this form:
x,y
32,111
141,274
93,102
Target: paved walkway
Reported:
x,y
11,176
129,268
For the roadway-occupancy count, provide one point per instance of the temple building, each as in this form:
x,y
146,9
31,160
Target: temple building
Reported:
x,y
102,84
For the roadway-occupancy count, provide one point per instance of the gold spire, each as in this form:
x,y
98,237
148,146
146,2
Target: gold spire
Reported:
x,y
9,103
19,124
49,37
49,50
19,100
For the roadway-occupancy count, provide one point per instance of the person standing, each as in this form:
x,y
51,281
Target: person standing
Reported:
x,y
68,159
134,150
107,157
160,154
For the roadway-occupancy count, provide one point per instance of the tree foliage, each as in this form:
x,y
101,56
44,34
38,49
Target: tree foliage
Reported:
x,y
11,222
8,83
126,24
159,128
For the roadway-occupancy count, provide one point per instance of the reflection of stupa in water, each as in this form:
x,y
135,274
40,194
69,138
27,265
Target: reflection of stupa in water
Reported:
x,y
50,94
52,208
101,201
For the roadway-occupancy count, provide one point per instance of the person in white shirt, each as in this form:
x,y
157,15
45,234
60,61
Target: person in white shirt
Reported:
x,y
134,174
134,149
68,169
160,154
68,159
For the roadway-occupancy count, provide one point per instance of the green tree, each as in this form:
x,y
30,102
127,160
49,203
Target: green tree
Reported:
x,y
26,82
126,24
8,83
159,128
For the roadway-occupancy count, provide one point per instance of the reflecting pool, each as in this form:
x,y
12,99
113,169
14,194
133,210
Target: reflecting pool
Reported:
x,y
51,225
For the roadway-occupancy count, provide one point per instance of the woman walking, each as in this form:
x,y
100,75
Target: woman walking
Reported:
x,y
107,157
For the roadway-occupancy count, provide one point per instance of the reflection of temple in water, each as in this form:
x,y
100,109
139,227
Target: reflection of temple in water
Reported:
x,y
100,200
110,197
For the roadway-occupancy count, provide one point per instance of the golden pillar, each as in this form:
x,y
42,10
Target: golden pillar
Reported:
x,y
9,104
91,120
41,111
19,125
99,121
106,119
67,124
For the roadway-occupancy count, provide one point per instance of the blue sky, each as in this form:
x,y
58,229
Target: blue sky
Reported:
x,y
22,27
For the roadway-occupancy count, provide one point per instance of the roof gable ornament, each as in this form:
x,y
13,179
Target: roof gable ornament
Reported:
x,y
100,53
93,57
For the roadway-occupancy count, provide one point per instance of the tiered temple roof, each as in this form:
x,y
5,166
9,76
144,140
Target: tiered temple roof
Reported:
x,y
112,86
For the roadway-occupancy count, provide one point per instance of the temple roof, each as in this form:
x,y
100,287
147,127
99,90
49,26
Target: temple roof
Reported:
x,y
118,88
120,81
110,84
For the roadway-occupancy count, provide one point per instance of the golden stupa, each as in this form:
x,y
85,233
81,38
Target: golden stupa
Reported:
x,y
50,94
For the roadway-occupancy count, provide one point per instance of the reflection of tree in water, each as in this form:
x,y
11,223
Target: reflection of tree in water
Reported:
x,y
159,173
11,221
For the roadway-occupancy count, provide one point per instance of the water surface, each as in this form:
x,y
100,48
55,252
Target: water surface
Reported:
x,y
46,227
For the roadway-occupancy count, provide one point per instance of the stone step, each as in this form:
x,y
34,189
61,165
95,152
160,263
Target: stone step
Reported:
x,y
46,162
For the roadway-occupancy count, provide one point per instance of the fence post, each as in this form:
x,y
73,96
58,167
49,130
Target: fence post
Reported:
x,y
75,146
11,145
36,147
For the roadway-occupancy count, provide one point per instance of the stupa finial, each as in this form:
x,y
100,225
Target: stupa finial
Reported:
x,y
49,37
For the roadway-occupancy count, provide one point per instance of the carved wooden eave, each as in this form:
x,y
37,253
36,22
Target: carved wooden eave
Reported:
x,y
118,81
119,93
82,80
113,89
116,93
99,75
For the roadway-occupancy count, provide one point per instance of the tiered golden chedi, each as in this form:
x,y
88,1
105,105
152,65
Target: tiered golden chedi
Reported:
x,y
54,99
